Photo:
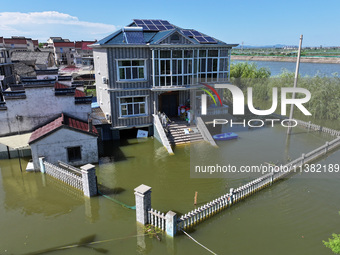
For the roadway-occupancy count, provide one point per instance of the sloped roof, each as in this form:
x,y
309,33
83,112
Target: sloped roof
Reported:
x,y
41,58
152,37
15,41
61,122
83,45
23,70
77,93
63,44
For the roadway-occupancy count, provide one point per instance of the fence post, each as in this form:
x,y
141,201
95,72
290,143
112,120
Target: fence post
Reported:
x,y
303,159
326,149
231,192
171,223
143,203
89,179
41,164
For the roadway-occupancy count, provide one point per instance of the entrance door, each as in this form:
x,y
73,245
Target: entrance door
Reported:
x,y
169,104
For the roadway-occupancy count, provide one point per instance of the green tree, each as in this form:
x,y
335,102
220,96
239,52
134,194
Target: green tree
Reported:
x,y
333,243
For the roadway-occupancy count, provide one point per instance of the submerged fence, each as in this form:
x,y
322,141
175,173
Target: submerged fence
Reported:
x,y
83,179
146,215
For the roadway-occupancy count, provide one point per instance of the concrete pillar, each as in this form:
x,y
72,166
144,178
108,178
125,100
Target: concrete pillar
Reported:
x,y
41,165
143,203
326,148
89,180
171,223
231,192
303,159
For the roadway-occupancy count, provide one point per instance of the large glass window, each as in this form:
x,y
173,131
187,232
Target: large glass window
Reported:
x,y
131,70
132,106
183,67
213,65
173,67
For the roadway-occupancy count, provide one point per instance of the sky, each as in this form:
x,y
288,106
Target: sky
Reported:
x,y
250,22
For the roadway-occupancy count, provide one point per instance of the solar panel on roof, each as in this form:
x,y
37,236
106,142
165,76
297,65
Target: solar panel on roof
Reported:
x,y
200,39
157,22
165,23
138,21
147,22
161,27
187,33
196,33
152,27
170,27
145,27
135,37
210,39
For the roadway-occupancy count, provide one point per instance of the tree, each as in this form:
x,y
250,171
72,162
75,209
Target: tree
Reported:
x,y
333,243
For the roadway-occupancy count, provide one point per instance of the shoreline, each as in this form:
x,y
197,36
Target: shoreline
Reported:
x,y
321,60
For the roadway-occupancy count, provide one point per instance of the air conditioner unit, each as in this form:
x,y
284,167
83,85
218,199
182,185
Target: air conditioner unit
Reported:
x,y
104,80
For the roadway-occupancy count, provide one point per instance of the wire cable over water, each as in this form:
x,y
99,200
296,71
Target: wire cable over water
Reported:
x,y
198,242
118,202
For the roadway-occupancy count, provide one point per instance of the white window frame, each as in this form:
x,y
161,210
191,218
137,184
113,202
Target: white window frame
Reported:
x,y
125,67
133,115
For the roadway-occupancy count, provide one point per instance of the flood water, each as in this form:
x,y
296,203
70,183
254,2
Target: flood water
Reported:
x,y
306,69
291,217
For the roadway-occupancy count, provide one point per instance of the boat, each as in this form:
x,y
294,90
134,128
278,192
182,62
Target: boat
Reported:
x,y
225,136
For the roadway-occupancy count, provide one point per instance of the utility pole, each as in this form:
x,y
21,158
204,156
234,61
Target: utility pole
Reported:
x,y
295,83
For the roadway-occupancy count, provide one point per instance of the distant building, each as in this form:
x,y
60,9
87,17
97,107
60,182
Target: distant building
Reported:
x,y
37,59
19,43
63,50
151,66
83,53
6,68
65,139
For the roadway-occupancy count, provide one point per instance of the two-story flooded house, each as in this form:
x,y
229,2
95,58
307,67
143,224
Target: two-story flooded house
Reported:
x,y
151,66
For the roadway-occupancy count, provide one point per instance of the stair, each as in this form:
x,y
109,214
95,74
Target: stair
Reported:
x,y
182,133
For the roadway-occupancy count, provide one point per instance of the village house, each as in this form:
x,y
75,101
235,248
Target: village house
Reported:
x,y
20,43
151,66
83,54
64,50
65,139
34,102
6,68
37,59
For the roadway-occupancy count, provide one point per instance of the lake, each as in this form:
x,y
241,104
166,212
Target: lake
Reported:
x,y
290,217
310,69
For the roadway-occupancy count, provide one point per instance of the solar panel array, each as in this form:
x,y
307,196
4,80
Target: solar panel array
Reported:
x,y
153,25
201,38
134,37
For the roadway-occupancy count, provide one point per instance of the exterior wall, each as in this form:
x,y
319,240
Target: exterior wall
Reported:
x,y
106,65
141,88
54,147
68,51
124,122
39,106
129,53
101,66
